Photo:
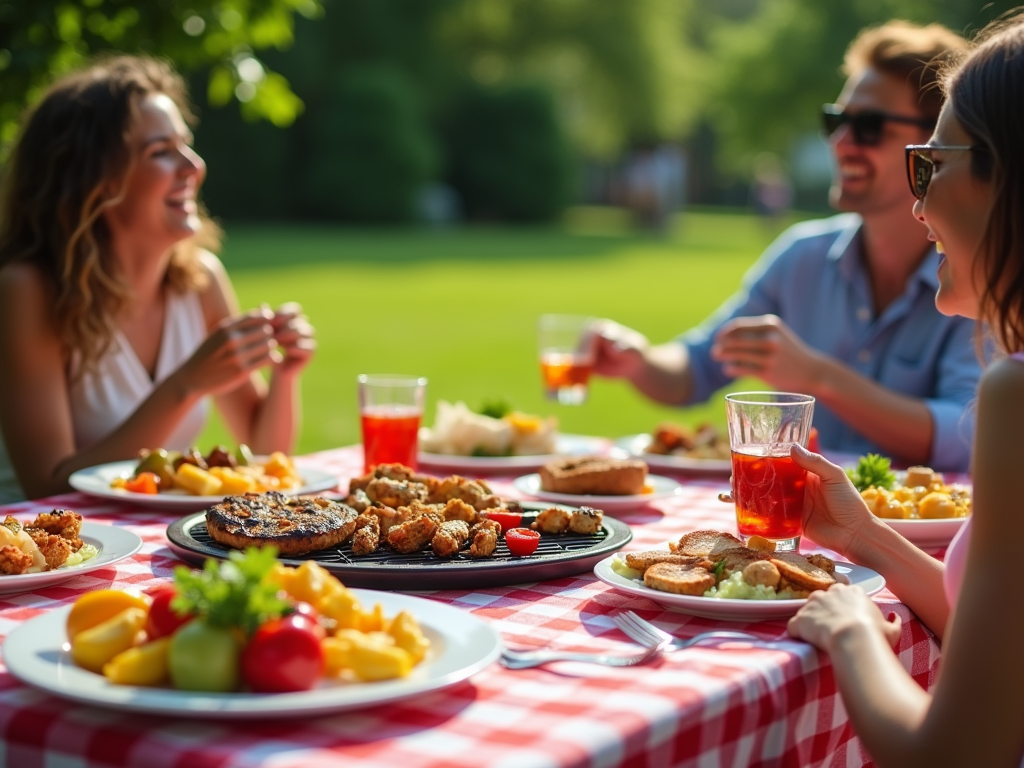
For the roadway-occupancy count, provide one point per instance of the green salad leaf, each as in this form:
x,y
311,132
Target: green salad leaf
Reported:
x,y
496,408
872,470
231,593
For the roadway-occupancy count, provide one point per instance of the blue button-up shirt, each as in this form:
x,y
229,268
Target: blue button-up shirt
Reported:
x,y
815,279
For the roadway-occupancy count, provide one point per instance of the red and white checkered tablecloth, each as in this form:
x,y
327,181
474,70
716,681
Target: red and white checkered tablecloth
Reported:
x,y
772,705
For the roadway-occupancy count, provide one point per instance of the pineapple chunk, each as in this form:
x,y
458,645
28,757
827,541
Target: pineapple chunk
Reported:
x,y
197,481
232,482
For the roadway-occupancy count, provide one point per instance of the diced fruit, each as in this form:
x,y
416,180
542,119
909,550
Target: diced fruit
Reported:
x,y
369,656
279,465
142,665
143,482
283,655
163,620
196,481
408,636
233,483
94,608
204,658
94,647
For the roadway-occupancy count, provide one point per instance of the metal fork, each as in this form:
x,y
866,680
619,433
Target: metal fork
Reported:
x,y
649,635
526,659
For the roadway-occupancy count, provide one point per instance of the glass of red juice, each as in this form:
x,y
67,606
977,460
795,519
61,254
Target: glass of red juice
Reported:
x,y
390,409
768,487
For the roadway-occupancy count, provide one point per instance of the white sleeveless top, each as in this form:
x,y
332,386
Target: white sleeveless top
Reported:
x,y
106,396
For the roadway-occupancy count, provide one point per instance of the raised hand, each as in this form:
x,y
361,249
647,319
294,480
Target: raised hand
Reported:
x,y
834,512
618,350
765,347
294,336
828,612
236,347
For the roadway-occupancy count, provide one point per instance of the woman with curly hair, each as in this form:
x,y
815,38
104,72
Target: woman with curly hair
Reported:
x,y
117,322
969,185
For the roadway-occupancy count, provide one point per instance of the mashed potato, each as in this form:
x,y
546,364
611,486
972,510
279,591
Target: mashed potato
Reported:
x,y
87,552
619,566
735,588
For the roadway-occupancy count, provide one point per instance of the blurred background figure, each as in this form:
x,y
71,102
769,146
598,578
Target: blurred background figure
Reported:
x,y
770,190
117,323
654,183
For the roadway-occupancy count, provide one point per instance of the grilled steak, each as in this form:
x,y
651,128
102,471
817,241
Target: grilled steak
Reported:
x,y
294,525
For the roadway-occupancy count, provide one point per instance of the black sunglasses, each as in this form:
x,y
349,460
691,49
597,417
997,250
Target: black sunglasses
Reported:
x,y
866,126
921,165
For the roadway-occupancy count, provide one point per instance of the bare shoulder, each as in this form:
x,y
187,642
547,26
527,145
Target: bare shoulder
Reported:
x,y
1002,379
25,295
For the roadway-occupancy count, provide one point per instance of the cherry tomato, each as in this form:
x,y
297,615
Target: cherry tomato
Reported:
x,y
283,655
304,610
163,620
506,519
812,442
144,482
522,541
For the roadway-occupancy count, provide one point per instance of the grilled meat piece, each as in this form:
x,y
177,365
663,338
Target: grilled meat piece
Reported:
x,y
13,561
55,549
383,491
366,538
586,520
294,525
414,535
474,492
552,520
450,537
679,579
641,561
485,538
60,522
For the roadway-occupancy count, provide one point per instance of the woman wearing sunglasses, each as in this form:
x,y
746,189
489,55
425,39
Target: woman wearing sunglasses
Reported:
x,y
969,185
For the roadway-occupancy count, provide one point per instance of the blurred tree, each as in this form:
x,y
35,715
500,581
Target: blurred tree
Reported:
x,y
40,39
776,68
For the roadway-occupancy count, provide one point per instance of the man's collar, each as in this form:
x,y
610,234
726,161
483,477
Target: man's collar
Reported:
x,y
847,252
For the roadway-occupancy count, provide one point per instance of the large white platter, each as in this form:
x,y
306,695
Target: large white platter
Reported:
x,y
664,487
113,544
461,646
95,481
635,446
724,608
565,445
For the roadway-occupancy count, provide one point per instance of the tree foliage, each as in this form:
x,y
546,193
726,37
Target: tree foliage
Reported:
x,y
41,39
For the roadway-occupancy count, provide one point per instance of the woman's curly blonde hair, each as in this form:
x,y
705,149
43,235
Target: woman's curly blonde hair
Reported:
x,y
73,150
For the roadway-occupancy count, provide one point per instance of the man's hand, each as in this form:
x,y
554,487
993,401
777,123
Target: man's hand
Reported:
x,y
765,347
618,350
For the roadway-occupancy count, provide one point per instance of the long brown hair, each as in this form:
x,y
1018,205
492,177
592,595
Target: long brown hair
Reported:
x,y
73,150
985,97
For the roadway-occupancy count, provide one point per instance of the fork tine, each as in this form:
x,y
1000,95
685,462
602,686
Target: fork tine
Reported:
x,y
657,635
640,630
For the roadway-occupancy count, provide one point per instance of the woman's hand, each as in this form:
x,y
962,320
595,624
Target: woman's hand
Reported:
x,y
237,347
834,512
294,336
828,613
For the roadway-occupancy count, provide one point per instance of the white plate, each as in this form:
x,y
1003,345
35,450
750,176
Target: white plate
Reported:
x,y
461,646
565,445
113,544
635,446
725,608
95,481
927,533
663,488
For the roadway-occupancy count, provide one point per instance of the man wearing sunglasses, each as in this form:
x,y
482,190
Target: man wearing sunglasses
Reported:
x,y
843,308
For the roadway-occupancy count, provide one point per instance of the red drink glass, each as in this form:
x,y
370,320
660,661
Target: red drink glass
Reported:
x,y
566,357
390,409
768,487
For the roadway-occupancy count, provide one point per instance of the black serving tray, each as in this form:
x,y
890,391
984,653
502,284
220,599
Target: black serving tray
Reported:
x,y
556,556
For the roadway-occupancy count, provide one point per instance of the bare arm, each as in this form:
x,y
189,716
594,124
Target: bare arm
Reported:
x,y
969,719
661,372
765,347
263,415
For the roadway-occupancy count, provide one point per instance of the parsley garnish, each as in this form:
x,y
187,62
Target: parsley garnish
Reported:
x,y
496,409
719,570
231,593
872,470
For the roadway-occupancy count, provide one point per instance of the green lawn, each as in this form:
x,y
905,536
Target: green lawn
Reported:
x,y
460,306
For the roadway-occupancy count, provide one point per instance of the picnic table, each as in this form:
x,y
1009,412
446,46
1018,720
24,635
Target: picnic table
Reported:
x,y
767,704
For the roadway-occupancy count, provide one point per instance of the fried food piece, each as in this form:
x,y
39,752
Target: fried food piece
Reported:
x,y
802,574
366,537
679,579
485,538
413,535
552,520
705,544
641,561
294,525
826,564
450,537
388,517
359,501
418,509
586,520
13,561
56,549
61,522
398,472
737,558
760,543
476,493
384,491
919,476
457,509
762,572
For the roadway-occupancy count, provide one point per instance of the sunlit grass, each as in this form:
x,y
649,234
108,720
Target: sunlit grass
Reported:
x,y
460,307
